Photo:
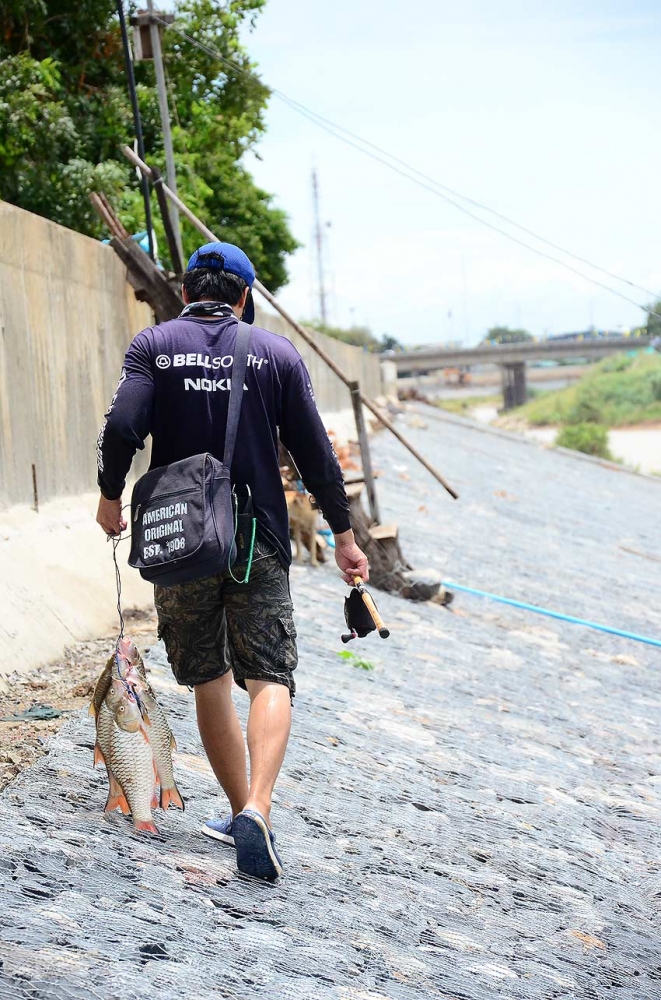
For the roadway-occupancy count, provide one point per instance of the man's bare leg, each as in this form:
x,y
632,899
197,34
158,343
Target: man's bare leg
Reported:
x,y
269,724
221,734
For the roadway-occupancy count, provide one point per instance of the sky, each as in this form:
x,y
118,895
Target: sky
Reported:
x,y
546,112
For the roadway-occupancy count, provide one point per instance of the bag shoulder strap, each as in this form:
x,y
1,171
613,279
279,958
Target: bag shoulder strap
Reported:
x,y
239,366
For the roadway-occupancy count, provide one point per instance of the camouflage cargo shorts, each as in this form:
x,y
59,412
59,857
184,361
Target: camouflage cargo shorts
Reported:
x,y
215,625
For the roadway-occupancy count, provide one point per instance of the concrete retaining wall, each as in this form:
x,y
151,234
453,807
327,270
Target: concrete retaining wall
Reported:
x,y
67,314
57,582
331,393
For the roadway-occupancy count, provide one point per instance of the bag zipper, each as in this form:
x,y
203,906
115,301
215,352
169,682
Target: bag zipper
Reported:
x,y
163,496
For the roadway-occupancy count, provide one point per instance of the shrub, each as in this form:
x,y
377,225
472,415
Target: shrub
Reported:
x,y
617,362
592,439
587,409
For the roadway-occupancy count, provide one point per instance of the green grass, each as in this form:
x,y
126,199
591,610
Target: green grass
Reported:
x,y
464,404
621,390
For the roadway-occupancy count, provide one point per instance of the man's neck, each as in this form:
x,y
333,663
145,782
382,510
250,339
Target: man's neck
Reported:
x,y
209,309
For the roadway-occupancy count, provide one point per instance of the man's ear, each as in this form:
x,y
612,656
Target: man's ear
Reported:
x,y
242,301
184,295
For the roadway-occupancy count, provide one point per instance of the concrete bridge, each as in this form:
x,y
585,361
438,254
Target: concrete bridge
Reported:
x,y
512,358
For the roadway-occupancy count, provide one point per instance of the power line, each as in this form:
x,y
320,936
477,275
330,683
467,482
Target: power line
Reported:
x,y
427,186
297,106
424,181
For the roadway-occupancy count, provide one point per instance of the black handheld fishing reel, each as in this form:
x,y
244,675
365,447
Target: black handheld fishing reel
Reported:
x,y
361,614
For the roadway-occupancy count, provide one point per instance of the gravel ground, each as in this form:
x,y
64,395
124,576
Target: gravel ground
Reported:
x,y
476,817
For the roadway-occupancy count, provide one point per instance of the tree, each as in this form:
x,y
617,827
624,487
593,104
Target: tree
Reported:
x,y
503,335
65,111
390,343
654,322
359,336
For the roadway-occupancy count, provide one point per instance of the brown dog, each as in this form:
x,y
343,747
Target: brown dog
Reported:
x,y
303,522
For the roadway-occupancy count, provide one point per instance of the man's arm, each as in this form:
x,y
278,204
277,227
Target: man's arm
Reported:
x,y
125,427
304,435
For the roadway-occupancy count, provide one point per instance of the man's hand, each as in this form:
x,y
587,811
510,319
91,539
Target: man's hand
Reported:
x,y
351,560
109,516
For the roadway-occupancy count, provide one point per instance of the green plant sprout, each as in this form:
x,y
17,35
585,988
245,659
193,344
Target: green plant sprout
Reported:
x,y
355,660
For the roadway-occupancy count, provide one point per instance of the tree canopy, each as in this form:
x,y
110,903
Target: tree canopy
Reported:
x,y
359,336
503,335
65,111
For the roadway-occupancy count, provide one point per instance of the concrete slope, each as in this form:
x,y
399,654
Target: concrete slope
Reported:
x,y
475,818
57,582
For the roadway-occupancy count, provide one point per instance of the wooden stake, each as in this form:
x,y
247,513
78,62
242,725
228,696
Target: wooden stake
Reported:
x,y
300,330
365,453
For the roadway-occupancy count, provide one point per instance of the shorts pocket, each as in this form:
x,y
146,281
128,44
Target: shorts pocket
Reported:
x,y
287,623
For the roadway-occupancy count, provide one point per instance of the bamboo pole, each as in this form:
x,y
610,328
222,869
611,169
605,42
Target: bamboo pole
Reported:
x,y
300,330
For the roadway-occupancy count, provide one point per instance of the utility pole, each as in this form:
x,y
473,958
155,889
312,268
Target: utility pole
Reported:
x,y
320,247
153,18
144,183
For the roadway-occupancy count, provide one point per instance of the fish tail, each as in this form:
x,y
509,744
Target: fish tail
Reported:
x,y
171,796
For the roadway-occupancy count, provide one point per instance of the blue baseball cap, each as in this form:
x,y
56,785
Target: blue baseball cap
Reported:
x,y
227,257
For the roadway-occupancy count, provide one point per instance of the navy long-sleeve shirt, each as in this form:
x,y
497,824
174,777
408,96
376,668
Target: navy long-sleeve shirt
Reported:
x,y
175,385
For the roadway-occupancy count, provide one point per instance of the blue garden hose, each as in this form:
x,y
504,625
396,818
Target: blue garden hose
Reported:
x,y
552,614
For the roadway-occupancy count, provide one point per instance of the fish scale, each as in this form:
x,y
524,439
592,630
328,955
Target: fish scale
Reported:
x,y
162,744
104,727
132,763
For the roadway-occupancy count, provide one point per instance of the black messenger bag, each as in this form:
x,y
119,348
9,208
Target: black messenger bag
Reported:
x,y
182,515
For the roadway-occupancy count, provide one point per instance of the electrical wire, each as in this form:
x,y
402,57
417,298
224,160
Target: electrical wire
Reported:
x,y
297,106
434,187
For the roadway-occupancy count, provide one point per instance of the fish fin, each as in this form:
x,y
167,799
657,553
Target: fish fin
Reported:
x,y
171,796
98,755
144,735
92,711
143,824
116,798
117,802
173,742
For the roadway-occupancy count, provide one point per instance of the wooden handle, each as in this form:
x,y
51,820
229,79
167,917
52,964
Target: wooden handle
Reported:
x,y
371,607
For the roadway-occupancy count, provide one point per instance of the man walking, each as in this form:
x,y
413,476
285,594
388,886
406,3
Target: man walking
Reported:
x,y
175,385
